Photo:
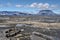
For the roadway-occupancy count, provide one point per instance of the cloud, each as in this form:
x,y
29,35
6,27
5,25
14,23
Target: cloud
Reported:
x,y
18,6
43,6
33,5
39,5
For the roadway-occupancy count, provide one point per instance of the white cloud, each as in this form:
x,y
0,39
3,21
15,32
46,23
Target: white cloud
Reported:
x,y
43,6
18,5
39,5
33,5
46,5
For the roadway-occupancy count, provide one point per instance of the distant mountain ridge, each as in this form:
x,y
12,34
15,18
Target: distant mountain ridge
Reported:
x,y
16,13
40,13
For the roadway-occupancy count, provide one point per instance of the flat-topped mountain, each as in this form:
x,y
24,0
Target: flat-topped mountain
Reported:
x,y
46,13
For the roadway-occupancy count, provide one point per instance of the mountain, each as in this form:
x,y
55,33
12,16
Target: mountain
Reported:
x,y
40,13
14,13
46,13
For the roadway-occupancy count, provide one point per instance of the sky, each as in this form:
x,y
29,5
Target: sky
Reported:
x,y
30,6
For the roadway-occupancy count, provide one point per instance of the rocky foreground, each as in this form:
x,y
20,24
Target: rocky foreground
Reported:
x,y
48,32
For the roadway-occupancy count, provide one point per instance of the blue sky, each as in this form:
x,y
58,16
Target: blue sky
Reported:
x,y
31,6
